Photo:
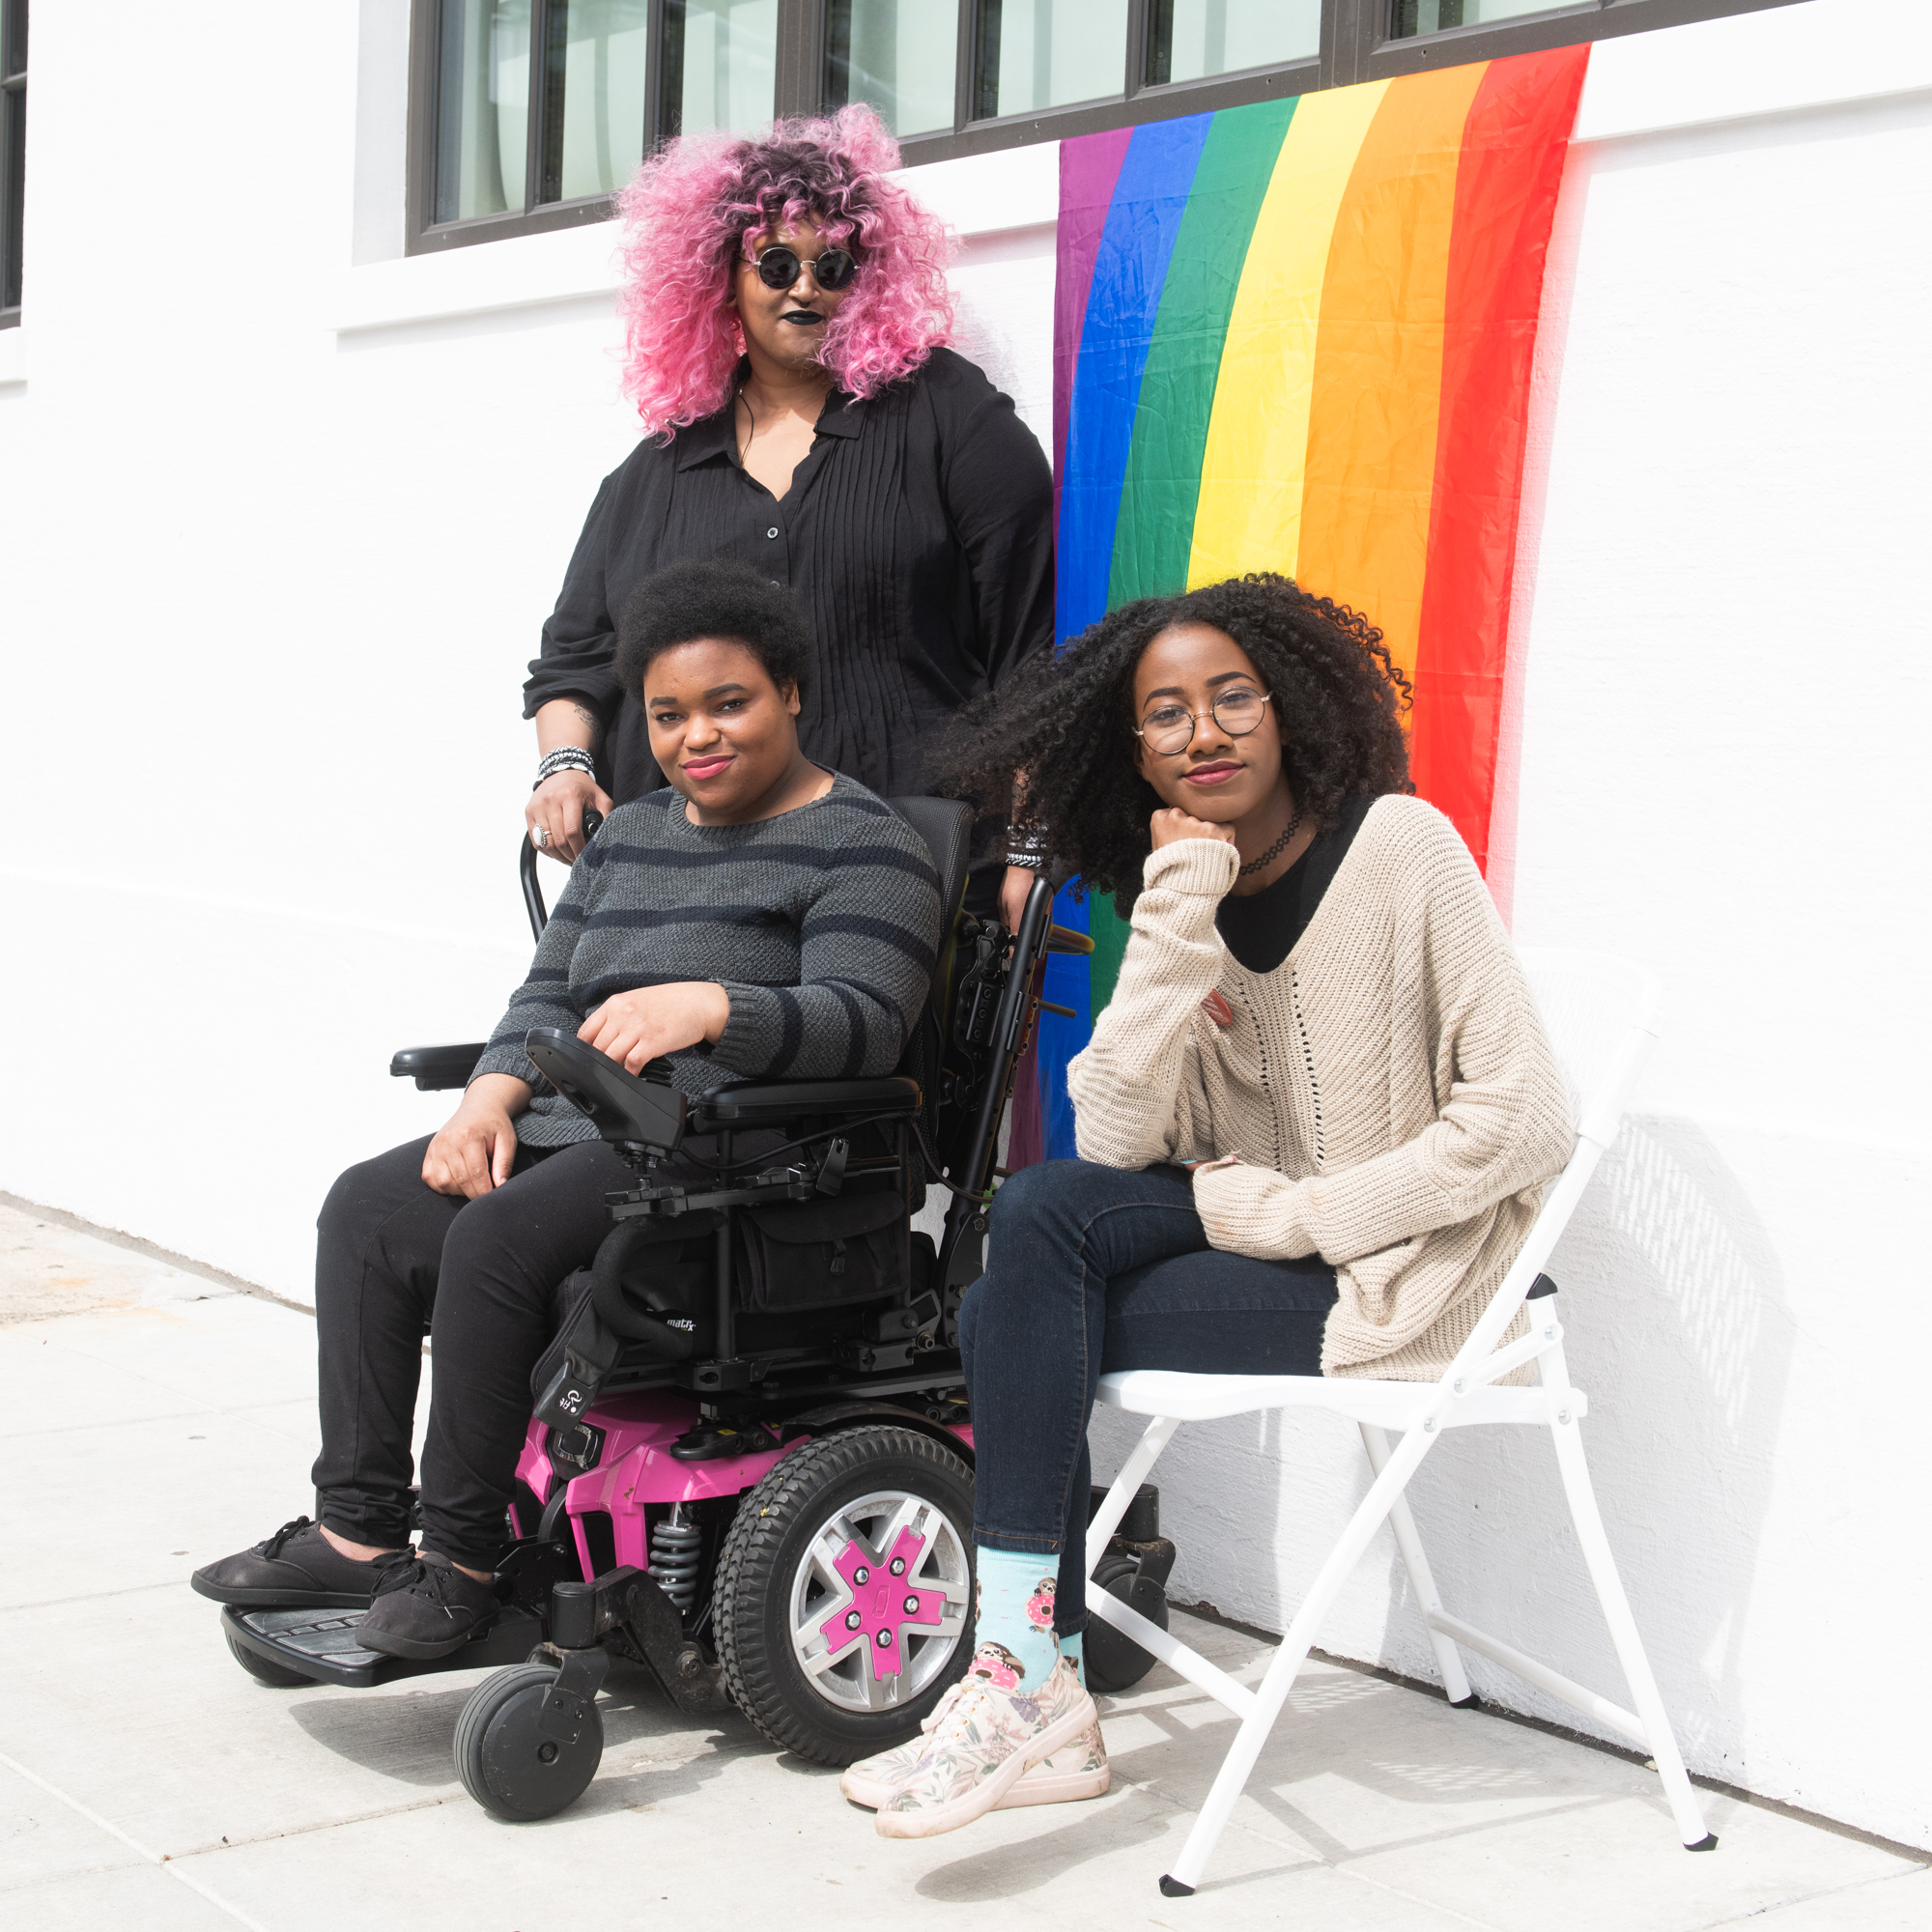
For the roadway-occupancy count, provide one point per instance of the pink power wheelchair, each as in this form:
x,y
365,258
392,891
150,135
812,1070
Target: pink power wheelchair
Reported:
x,y
750,1460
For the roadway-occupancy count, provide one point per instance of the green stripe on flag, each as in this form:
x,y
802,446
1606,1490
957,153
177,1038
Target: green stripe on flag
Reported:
x,y
1155,530
1109,932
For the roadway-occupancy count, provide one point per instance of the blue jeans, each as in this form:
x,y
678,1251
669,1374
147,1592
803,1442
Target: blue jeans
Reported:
x,y
1091,1269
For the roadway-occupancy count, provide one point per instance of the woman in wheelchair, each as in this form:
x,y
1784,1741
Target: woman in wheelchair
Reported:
x,y
1315,1121
760,917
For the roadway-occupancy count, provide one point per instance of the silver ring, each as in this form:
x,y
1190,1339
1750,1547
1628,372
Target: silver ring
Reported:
x,y
542,836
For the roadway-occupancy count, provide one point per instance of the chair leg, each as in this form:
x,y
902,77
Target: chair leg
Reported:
x,y
1383,1493
1127,1485
1644,1694
1448,1659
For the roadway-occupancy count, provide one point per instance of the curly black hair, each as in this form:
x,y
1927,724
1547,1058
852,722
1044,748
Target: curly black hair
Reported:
x,y
713,598
1064,721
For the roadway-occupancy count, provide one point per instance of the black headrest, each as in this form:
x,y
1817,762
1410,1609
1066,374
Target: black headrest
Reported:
x,y
947,827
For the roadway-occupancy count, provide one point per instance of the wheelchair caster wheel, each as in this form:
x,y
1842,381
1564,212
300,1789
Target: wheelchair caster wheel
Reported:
x,y
506,1761
1116,1662
844,1592
261,1669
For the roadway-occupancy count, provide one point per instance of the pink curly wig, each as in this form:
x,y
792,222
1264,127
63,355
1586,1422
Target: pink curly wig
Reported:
x,y
686,213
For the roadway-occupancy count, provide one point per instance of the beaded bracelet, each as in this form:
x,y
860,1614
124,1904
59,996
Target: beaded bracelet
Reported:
x,y
565,758
1026,845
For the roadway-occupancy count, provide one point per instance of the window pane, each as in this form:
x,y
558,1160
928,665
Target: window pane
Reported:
x,y
1043,53
720,62
14,172
1188,40
1435,16
899,55
482,108
599,49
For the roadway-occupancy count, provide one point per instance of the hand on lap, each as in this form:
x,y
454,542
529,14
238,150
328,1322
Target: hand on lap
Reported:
x,y
475,1150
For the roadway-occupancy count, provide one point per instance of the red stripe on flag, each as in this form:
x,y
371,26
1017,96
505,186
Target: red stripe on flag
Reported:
x,y
1090,166
1514,144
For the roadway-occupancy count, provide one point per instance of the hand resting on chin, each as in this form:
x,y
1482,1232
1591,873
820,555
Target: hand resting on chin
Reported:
x,y
1171,825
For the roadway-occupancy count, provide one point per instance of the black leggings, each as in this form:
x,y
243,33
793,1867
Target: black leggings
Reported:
x,y
395,1261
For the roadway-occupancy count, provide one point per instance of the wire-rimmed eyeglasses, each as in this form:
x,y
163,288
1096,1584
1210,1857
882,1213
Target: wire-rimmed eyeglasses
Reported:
x,y
1169,728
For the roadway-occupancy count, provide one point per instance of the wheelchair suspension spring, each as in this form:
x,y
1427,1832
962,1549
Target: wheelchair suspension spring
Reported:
x,y
675,1558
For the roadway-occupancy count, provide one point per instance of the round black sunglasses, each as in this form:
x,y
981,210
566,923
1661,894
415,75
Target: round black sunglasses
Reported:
x,y
779,268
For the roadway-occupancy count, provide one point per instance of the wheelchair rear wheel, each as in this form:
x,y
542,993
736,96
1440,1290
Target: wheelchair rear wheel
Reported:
x,y
844,1592
506,1761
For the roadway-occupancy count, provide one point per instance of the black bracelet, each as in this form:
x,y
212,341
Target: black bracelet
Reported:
x,y
1029,862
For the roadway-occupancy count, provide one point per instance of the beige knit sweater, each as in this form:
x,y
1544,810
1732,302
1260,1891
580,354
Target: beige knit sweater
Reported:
x,y
1386,1097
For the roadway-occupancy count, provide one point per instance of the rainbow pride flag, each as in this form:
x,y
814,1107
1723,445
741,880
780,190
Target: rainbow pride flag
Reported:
x,y
1298,337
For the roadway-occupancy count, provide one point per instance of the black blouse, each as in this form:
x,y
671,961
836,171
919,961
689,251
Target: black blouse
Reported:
x,y
1265,927
917,534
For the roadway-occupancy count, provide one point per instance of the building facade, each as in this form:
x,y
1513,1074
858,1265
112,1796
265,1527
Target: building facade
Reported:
x,y
311,376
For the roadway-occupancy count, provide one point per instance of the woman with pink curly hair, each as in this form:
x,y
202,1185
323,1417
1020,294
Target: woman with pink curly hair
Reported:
x,y
787,310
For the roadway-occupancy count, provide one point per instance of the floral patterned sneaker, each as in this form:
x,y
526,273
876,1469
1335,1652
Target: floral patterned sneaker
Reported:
x,y
1075,1771
982,1740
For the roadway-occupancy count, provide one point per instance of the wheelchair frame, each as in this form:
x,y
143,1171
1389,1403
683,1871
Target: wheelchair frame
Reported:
x,y
635,1469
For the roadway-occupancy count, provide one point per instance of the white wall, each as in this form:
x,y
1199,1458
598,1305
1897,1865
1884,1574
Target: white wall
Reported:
x,y
282,514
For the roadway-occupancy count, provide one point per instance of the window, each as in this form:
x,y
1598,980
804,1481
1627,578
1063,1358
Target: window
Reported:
x,y
529,114
12,154
1435,16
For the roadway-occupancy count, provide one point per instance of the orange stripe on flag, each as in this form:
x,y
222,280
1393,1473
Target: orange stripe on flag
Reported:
x,y
1371,429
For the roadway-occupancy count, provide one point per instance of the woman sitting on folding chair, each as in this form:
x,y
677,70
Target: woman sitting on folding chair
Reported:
x,y
1315,1122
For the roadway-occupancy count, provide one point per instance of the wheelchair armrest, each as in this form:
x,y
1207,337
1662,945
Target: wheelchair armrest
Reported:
x,y
434,1068
743,1103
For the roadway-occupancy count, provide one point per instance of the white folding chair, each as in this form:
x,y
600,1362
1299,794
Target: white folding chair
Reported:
x,y
1602,1016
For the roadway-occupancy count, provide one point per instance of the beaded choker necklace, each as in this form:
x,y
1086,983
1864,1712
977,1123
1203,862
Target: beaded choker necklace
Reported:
x,y
1275,850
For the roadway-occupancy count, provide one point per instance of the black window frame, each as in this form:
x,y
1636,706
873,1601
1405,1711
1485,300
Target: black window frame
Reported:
x,y
1357,44
13,168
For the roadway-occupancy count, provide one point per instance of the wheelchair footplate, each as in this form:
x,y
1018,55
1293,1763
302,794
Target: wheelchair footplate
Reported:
x,y
320,1644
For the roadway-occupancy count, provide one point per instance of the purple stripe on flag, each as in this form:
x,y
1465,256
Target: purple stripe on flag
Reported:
x,y
1088,167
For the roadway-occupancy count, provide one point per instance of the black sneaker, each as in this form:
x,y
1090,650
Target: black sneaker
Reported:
x,y
426,1609
297,1569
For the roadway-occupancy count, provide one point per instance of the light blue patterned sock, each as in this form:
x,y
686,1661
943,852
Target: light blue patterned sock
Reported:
x,y
1015,1646
1074,1648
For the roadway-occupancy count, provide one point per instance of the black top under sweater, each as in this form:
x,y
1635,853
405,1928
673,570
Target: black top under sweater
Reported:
x,y
821,923
1261,930
917,536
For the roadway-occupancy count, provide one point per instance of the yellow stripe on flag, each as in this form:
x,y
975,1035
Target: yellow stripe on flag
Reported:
x,y
1370,467
1248,515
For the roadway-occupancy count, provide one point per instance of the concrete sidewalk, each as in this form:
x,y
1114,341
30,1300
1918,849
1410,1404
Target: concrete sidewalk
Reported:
x,y
146,1780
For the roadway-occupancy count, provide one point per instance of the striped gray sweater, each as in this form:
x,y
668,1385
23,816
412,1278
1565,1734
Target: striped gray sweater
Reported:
x,y
821,923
